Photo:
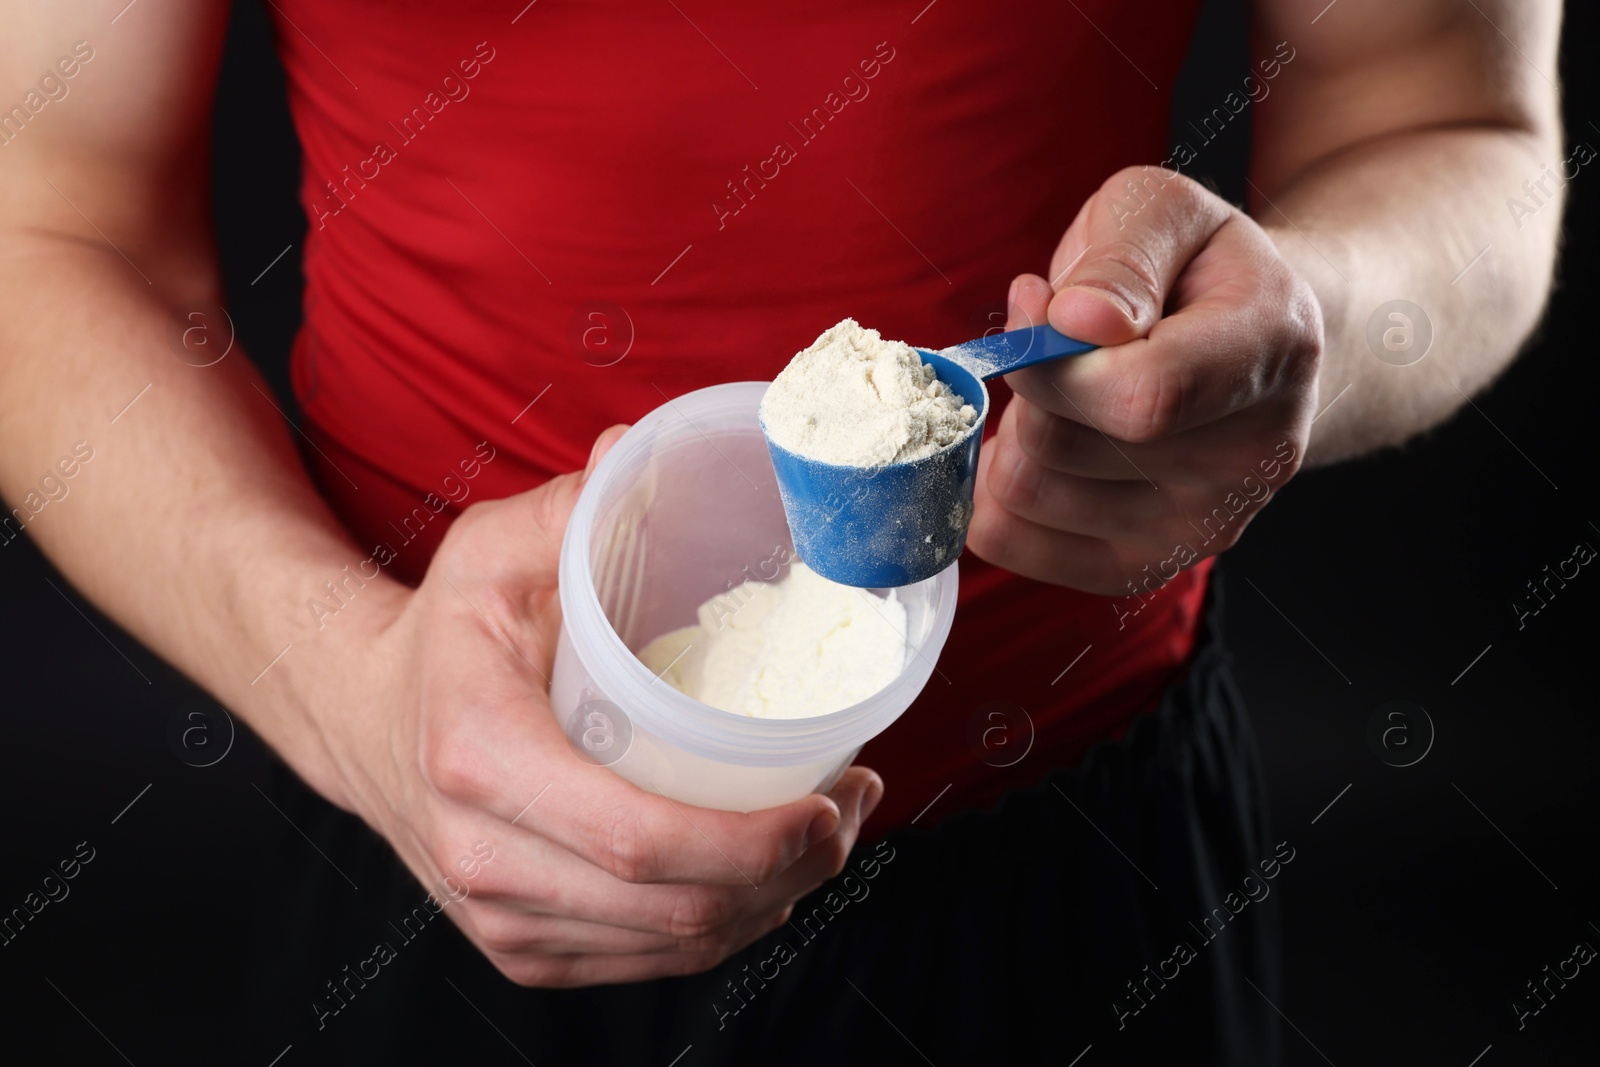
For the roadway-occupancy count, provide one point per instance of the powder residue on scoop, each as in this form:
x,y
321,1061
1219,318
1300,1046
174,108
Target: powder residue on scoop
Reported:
x,y
857,400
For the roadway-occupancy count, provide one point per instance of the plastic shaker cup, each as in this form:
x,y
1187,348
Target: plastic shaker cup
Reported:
x,y
683,508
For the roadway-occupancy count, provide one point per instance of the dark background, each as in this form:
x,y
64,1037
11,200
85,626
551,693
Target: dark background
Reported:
x,y
1411,920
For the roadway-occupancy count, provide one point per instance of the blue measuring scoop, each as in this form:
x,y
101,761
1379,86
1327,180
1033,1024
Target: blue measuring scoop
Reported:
x,y
897,524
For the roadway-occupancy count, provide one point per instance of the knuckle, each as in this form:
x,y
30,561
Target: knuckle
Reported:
x,y
479,514
1119,180
769,861
1203,207
1300,335
536,972
1182,200
1291,466
471,518
1307,333
1037,432
1231,534
1126,270
1193,199
1151,405
472,553
698,913
500,933
452,764
1018,479
465,528
493,883
1146,181
1227,534
1138,262
625,849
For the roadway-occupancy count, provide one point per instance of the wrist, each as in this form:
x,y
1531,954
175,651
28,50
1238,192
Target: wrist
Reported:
x,y
354,673
1322,265
332,649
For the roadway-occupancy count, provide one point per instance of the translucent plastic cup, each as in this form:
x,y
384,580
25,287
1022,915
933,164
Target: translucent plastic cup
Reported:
x,y
684,507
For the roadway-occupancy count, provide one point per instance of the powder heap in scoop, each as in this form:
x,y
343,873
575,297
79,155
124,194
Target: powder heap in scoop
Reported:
x,y
857,400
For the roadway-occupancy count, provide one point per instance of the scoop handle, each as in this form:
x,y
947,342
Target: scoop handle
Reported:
x,y
1001,353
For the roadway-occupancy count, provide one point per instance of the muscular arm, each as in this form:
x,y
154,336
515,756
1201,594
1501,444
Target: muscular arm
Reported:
x,y
1234,347
194,525
424,711
1385,154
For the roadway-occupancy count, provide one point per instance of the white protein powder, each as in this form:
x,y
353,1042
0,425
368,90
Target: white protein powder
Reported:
x,y
857,400
785,650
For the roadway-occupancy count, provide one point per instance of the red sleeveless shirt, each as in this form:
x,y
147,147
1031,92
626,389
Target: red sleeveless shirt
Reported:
x,y
585,207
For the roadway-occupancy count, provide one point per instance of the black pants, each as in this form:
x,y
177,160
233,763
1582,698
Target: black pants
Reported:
x,y
1128,904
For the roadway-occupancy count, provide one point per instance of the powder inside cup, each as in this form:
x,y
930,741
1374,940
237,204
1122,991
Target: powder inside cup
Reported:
x,y
785,650
857,400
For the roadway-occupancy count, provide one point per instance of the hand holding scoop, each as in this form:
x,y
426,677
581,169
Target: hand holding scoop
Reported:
x,y
899,523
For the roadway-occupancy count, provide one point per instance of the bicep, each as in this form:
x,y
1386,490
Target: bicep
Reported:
x,y
107,120
1367,69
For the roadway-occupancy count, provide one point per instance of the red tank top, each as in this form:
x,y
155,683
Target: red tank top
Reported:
x,y
588,208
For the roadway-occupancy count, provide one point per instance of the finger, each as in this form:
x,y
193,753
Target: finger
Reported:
x,y
1028,303
527,952
1116,265
1072,447
505,929
821,862
1133,512
539,517
1228,448
644,838
826,860
632,834
506,750
602,444
532,874
1247,327
566,971
1034,551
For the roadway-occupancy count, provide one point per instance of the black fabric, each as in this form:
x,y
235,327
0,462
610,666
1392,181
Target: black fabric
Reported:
x,y
1007,936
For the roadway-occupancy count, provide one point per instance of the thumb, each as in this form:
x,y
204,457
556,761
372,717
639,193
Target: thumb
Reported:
x,y
1111,297
558,496
1133,238
537,519
602,444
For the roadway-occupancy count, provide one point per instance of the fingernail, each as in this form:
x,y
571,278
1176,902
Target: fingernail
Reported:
x,y
822,827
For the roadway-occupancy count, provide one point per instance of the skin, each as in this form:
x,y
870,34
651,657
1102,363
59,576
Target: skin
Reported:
x,y
425,711
1381,168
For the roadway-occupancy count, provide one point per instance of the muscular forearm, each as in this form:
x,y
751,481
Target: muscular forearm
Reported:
x,y
194,524
1384,159
1418,217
